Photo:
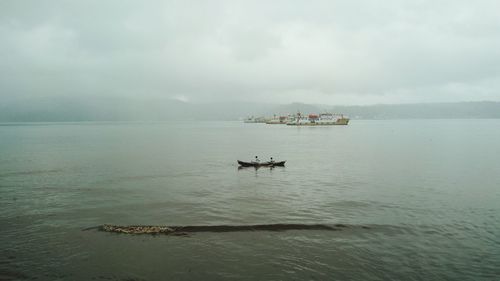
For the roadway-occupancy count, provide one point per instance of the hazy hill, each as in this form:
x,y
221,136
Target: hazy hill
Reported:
x,y
63,109
410,111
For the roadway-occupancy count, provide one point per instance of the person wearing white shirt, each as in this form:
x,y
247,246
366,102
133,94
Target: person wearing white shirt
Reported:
x,y
256,160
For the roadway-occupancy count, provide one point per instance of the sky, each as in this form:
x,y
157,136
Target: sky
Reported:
x,y
322,52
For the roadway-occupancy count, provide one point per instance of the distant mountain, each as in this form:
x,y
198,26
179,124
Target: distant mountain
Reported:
x,y
114,109
407,111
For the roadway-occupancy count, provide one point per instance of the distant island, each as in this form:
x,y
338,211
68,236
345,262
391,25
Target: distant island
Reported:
x,y
69,110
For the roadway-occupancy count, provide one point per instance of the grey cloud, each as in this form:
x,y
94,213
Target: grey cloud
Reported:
x,y
272,51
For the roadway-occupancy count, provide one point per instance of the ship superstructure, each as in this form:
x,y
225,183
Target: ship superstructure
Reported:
x,y
279,119
323,119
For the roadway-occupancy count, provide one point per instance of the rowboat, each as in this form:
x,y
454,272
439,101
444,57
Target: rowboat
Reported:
x,y
261,164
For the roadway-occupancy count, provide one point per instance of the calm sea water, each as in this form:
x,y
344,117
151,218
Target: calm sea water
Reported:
x,y
428,189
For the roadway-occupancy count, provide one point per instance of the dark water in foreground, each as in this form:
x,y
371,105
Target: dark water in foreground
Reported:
x,y
429,191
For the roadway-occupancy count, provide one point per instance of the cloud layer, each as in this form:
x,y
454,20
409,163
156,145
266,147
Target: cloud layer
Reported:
x,y
337,52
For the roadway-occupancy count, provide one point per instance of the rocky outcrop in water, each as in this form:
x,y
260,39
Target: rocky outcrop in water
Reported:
x,y
137,229
183,230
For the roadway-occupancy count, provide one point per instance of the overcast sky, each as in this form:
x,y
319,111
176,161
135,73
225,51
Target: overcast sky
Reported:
x,y
330,52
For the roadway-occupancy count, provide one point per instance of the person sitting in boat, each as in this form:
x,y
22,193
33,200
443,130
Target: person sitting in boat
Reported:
x,y
271,161
256,160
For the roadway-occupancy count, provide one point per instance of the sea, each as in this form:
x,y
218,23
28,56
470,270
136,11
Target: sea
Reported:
x,y
417,200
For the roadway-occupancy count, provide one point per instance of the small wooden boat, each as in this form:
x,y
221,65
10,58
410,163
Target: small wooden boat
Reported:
x,y
261,164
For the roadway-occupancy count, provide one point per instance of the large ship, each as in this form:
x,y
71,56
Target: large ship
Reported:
x,y
252,119
279,120
318,119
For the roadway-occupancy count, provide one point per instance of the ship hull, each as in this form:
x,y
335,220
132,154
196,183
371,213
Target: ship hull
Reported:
x,y
262,164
